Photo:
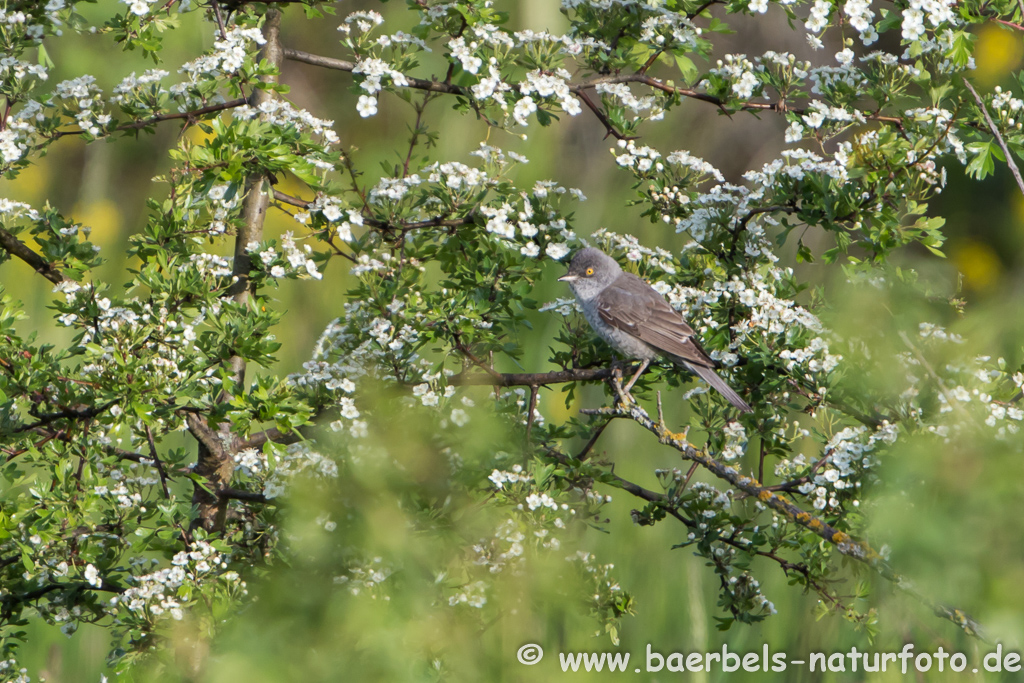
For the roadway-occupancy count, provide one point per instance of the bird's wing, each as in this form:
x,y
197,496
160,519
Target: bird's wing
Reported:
x,y
632,305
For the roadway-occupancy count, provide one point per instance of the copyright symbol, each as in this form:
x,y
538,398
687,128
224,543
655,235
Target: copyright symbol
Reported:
x,y
530,654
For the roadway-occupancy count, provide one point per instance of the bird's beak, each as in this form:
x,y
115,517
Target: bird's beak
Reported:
x,y
568,278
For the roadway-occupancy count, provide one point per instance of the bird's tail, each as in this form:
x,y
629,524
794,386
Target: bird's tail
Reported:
x,y
712,378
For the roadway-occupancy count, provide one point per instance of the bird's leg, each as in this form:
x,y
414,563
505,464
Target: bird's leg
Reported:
x,y
640,370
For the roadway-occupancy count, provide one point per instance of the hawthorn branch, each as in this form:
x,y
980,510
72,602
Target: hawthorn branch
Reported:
x,y
995,131
436,222
156,461
238,494
214,463
15,247
342,65
529,379
578,89
189,116
860,551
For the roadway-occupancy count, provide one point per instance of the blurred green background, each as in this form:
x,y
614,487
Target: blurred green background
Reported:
x,y
951,518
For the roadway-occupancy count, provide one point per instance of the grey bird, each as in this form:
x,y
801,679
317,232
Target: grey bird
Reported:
x,y
638,322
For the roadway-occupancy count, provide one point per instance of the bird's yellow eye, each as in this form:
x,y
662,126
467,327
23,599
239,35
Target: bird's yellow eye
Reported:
x,y
590,271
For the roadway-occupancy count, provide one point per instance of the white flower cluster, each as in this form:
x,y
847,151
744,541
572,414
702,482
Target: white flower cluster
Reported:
x,y
938,12
251,461
1006,108
299,261
455,176
228,56
428,396
211,264
735,440
505,548
363,21
492,86
935,120
158,592
813,358
130,84
473,594
818,113
501,477
746,589
332,210
365,577
389,190
937,332
684,160
298,458
860,16
547,86
740,71
13,69
818,19
221,206
541,500
639,158
630,244
126,325
9,669
624,97
20,134
847,456
374,71
606,587
139,8
708,504
464,53
670,30
87,96
284,114
11,210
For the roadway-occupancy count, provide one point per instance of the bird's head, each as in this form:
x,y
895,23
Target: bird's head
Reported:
x,y
590,271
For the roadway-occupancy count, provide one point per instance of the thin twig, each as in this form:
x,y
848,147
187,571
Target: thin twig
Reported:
x,y
156,460
585,453
995,132
189,115
532,413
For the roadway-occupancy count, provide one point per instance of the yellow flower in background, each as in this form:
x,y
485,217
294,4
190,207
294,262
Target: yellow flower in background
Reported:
x,y
104,217
979,264
997,53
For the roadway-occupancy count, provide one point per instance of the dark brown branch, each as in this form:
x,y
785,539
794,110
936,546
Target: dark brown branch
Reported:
x,y
188,115
585,453
156,460
15,247
603,118
248,496
67,413
529,379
